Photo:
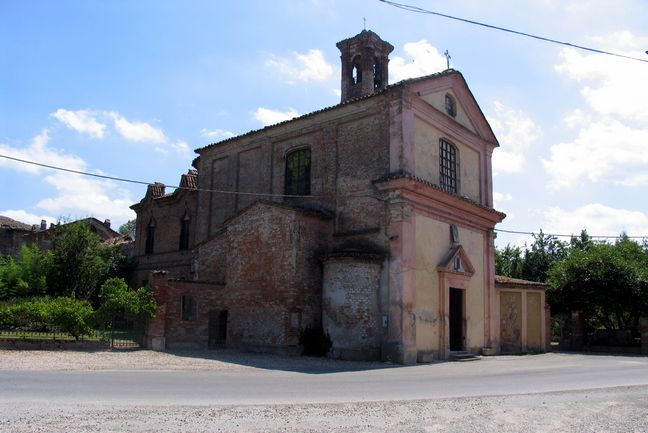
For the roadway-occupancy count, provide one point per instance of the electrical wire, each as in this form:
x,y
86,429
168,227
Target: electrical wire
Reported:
x,y
419,10
567,236
140,182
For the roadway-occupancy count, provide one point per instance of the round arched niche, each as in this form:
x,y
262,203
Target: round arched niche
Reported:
x,y
350,305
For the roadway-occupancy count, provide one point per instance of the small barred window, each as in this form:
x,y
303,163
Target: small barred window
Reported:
x,y
450,105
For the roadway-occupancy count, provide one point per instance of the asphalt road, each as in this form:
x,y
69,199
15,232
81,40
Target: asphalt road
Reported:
x,y
491,376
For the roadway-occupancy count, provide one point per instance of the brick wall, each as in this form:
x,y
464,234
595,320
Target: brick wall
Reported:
x,y
272,284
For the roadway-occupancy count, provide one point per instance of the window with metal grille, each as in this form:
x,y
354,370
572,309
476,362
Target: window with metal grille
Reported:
x,y
298,168
184,233
150,238
447,166
188,307
450,105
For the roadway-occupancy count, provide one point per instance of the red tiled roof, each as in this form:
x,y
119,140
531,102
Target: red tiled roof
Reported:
x,y
350,101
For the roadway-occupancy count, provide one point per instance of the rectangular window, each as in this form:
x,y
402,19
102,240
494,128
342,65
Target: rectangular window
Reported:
x,y
184,234
298,172
150,239
188,307
447,166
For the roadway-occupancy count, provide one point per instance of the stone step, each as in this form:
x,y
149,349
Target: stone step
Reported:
x,y
463,356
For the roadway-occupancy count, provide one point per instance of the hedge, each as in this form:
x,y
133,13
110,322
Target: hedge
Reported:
x,y
67,314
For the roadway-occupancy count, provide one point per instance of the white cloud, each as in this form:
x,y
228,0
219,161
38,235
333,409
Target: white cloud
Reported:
x,y
597,219
423,59
27,218
78,196
216,134
607,150
81,121
500,198
38,151
180,146
269,117
609,145
516,132
308,67
137,131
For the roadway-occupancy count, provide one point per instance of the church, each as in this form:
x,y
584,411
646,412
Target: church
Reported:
x,y
371,219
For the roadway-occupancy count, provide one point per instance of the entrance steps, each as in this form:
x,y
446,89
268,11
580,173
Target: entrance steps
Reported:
x,y
463,356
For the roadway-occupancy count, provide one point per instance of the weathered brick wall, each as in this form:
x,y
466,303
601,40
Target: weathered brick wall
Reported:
x,y
349,149
167,213
351,307
11,241
272,288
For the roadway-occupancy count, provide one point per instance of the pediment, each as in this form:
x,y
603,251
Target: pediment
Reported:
x,y
456,261
468,113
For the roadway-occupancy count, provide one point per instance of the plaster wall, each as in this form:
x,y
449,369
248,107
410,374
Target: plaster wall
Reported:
x,y
351,307
437,100
426,154
432,243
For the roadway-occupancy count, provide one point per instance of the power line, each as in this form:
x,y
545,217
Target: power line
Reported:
x,y
419,10
140,182
568,236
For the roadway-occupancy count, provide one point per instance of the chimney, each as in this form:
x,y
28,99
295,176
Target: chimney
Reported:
x,y
43,225
107,223
156,189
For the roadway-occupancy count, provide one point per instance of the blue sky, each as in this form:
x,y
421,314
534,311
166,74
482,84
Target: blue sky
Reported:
x,y
130,88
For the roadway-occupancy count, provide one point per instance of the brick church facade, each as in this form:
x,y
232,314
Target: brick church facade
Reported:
x,y
372,218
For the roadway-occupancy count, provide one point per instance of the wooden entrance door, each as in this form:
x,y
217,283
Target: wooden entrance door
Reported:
x,y
217,328
456,314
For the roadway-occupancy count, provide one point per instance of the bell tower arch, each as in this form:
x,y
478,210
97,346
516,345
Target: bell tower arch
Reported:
x,y
365,59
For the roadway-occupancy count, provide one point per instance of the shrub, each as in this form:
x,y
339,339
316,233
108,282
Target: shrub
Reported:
x,y
70,315
315,341
116,299
67,314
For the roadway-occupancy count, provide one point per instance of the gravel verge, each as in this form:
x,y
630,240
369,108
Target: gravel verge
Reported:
x,y
622,410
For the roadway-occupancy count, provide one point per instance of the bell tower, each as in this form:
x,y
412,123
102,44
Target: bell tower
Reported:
x,y
364,64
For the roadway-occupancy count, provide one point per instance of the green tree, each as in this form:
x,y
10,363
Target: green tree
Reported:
x,y
128,228
508,261
79,263
25,276
117,299
544,252
607,282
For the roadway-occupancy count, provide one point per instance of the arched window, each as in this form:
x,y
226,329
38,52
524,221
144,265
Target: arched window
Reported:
x,y
298,168
450,105
377,74
150,238
356,71
184,233
448,166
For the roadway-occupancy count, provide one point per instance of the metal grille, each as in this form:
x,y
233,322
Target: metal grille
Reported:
x,y
447,166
